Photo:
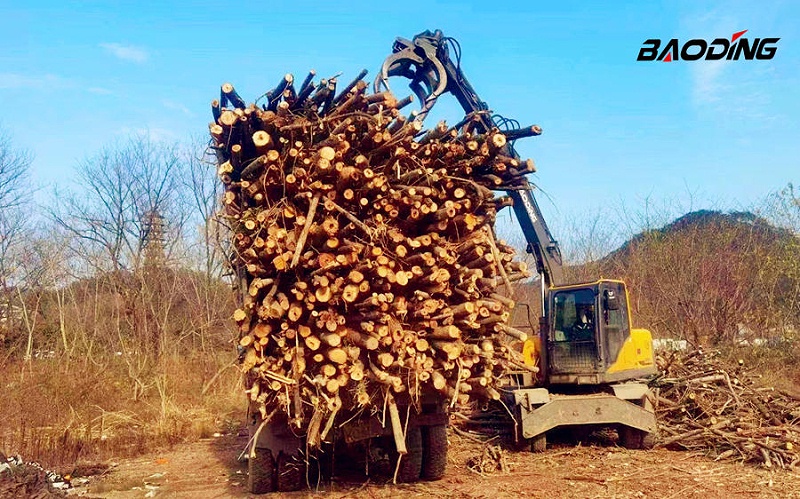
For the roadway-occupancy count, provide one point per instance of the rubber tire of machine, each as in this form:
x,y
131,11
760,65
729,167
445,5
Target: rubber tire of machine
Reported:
x,y
411,463
633,438
648,441
291,473
261,472
434,452
539,443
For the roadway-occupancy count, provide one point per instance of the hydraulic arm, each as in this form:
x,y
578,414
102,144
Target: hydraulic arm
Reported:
x,y
426,61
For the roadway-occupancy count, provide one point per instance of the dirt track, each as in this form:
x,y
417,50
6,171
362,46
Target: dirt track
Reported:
x,y
208,469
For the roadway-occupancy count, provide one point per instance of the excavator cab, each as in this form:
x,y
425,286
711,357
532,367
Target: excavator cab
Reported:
x,y
588,336
589,358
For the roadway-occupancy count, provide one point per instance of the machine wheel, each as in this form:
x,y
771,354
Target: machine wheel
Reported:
x,y
648,441
434,452
261,472
580,434
291,473
632,438
411,463
539,443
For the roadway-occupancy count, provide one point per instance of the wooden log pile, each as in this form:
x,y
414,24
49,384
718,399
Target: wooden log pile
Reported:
x,y
366,249
703,403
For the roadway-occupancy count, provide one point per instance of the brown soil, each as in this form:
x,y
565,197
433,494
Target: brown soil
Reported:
x,y
209,469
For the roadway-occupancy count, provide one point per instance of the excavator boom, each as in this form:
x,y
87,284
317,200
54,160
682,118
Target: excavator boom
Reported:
x,y
426,61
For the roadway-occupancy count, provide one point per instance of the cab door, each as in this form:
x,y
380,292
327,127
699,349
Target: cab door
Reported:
x,y
614,319
572,342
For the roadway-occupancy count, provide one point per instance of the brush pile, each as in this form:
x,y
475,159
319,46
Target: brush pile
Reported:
x,y
365,250
21,479
705,404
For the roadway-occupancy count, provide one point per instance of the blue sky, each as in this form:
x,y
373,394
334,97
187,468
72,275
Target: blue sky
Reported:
x,y
76,77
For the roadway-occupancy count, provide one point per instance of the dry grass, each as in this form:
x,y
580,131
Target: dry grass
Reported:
x,y
59,413
777,366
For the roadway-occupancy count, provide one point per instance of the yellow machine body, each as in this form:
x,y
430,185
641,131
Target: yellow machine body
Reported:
x,y
610,350
636,353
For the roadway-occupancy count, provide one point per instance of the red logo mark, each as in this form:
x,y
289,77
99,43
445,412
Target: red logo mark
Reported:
x,y
737,35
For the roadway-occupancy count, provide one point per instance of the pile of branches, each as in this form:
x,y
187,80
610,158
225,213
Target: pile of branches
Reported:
x,y
366,251
21,479
491,460
707,404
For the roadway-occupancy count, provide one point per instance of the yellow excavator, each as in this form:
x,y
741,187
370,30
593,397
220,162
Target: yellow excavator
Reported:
x,y
591,361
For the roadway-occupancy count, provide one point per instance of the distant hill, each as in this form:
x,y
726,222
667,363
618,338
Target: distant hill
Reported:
x,y
706,220
708,275
704,277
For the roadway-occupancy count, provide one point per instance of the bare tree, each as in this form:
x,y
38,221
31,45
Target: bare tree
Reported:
x,y
207,290
14,166
205,191
14,188
121,188
781,270
132,198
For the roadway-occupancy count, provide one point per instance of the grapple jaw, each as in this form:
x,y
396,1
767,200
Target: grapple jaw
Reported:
x,y
419,61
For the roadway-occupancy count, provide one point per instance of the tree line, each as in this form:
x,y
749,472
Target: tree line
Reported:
x,y
131,261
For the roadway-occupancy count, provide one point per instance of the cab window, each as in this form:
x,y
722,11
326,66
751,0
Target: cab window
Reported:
x,y
574,315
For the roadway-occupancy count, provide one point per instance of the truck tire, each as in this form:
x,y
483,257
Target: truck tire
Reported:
x,y
291,473
434,452
633,438
261,472
539,443
411,463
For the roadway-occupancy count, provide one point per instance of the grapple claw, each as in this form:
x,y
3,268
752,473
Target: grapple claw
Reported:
x,y
418,61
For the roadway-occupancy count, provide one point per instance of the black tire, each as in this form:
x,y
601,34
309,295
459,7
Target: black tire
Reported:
x,y
539,443
632,438
434,452
580,434
261,472
291,473
648,441
411,463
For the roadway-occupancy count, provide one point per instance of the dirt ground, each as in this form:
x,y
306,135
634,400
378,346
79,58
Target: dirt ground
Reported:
x,y
209,469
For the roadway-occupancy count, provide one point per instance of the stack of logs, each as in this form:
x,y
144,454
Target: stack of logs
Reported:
x,y
366,251
704,403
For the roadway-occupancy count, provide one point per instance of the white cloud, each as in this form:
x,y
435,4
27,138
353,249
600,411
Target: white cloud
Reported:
x,y
177,106
99,91
707,83
47,82
154,133
128,53
10,81
726,88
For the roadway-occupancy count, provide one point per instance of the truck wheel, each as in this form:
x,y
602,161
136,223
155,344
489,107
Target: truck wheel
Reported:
x,y
434,452
539,443
261,472
411,463
633,438
291,473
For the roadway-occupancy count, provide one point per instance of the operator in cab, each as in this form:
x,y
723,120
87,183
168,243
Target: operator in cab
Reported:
x,y
583,328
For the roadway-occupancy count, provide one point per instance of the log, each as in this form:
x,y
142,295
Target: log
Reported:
x,y
397,427
312,208
513,332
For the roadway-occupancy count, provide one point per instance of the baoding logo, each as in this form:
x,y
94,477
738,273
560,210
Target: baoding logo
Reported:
x,y
717,50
